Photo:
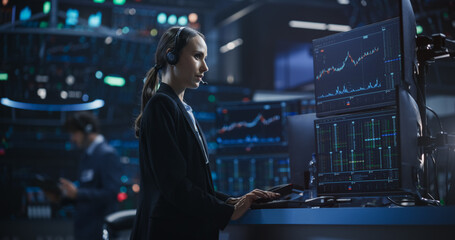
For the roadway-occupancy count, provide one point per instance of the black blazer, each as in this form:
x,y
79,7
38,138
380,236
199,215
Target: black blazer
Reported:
x,y
177,199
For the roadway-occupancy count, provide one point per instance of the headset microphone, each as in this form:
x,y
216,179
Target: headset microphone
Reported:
x,y
204,82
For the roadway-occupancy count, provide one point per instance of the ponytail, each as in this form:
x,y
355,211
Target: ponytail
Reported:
x,y
149,89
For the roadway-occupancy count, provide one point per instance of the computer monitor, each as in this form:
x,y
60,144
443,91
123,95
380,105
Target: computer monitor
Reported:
x,y
358,153
237,175
369,153
301,146
364,89
253,127
204,101
359,69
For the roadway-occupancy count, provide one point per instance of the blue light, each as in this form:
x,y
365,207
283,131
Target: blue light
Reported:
x,y
95,20
98,103
99,74
72,16
161,18
25,14
125,30
124,179
172,19
183,20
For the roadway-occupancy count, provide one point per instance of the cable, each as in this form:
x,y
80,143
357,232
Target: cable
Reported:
x,y
399,203
426,130
436,182
394,202
447,176
437,117
420,95
445,191
431,202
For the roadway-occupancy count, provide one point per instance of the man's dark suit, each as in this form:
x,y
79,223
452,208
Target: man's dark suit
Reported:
x,y
99,177
177,198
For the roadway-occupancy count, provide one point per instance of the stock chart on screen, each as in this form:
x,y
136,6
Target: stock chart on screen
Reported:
x,y
358,152
237,175
250,124
358,69
253,126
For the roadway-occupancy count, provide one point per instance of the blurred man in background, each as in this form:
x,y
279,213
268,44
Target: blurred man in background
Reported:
x,y
99,175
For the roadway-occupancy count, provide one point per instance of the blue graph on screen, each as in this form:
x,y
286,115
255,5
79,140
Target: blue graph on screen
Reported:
x,y
357,69
377,84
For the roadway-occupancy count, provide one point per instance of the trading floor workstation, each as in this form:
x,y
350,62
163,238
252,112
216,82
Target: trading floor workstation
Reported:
x,y
367,140
360,155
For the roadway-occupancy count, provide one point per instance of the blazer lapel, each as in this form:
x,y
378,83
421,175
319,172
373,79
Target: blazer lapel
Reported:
x,y
169,91
203,138
209,172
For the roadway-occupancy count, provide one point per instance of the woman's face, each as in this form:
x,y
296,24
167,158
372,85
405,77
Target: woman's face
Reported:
x,y
191,66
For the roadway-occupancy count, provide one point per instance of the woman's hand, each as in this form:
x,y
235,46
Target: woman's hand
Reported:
x,y
244,203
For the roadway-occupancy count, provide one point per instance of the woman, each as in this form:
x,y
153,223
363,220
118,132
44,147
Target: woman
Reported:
x,y
177,199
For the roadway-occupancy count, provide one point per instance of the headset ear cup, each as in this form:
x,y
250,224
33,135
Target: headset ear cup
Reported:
x,y
171,58
88,128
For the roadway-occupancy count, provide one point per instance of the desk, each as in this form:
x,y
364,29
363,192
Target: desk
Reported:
x,y
344,223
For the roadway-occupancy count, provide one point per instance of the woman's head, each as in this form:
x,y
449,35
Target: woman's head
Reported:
x,y
189,70
175,41
171,43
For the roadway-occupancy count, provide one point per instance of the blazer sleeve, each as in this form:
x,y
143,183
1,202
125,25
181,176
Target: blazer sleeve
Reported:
x,y
168,164
110,173
222,196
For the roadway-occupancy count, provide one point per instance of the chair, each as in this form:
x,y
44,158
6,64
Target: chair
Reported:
x,y
118,225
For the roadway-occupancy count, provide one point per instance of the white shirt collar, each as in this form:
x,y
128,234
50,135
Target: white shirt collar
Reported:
x,y
99,139
190,112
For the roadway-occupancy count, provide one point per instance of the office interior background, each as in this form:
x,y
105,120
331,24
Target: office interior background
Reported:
x,y
60,56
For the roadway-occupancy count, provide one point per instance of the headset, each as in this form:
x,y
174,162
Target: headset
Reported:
x,y
86,127
172,56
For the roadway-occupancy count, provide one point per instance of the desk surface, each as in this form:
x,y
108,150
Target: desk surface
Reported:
x,y
352,216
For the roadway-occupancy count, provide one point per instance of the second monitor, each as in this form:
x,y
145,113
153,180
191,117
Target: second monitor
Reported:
x,y
253,127
358,153
357,70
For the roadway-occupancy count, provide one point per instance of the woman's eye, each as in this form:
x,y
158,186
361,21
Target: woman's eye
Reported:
x,y
197,56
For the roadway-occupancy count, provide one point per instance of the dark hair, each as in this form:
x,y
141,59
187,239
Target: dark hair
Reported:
x,y
84,122
166,42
